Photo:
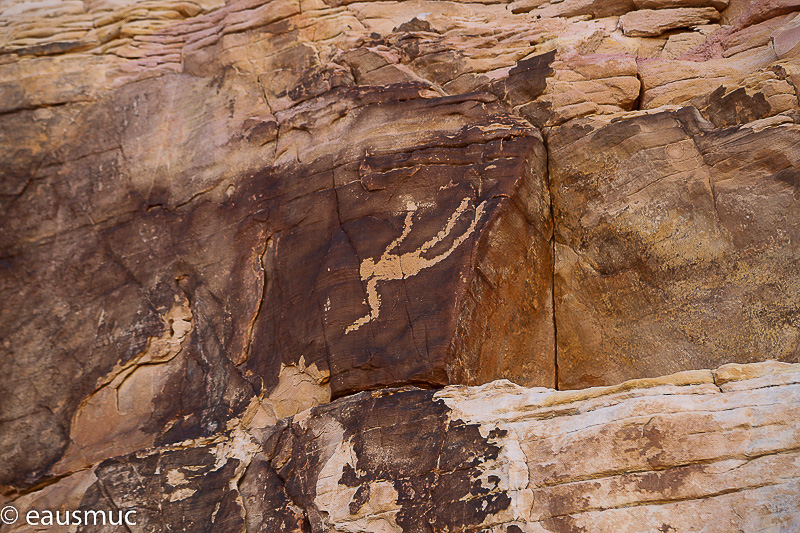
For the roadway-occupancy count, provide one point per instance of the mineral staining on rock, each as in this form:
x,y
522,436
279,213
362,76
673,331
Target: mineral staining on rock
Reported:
x,y
645,455
255,212
219,215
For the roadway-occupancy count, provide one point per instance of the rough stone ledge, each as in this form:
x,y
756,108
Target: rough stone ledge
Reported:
x,y
661,454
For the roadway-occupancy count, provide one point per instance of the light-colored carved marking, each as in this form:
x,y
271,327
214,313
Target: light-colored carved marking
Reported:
x,y
392,266
181,494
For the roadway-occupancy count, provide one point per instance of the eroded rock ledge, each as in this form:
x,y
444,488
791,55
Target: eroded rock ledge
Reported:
x,y
712,450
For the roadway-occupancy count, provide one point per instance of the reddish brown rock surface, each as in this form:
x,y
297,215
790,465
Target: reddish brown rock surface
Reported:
x,y
668,255
220,213
180,242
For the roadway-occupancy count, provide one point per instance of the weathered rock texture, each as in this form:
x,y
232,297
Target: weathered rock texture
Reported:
x,y
698,450
663,250
652,23
216,215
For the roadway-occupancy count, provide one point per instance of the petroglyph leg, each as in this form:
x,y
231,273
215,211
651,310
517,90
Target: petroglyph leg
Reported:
x,y
374,301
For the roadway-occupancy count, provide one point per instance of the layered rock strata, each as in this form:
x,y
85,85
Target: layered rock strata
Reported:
x,y
711,450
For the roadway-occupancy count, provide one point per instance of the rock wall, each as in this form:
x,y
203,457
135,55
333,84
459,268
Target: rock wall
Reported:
x,y
217,215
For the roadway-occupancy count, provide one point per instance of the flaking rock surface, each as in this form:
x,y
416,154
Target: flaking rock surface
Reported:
x,y
703,450
219,214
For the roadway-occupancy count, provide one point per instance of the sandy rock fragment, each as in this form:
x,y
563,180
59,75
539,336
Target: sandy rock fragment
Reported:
x,y
680,43
654,22
573,8
786,40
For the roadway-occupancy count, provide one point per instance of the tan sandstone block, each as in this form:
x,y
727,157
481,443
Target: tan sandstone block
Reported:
x,y
651,23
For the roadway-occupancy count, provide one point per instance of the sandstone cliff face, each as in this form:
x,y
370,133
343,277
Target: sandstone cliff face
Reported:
x,y
217,215
675,247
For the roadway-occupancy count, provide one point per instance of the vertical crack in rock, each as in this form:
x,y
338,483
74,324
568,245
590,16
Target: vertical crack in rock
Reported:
x,y
554,232
268,245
